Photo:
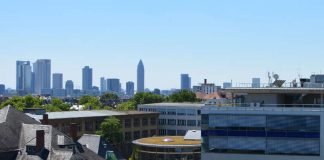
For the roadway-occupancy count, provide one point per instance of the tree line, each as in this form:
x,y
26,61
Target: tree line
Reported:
x,y
106,101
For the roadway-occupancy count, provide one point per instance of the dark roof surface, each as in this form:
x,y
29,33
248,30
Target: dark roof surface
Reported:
x,y
11,123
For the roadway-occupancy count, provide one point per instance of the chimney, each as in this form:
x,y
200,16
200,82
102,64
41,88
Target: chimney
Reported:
x,y
74,131
40,140
205,81
45,119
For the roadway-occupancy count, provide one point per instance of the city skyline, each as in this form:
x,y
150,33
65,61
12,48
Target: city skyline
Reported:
x,y
220,41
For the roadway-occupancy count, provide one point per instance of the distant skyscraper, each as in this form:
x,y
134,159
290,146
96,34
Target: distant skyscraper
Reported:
x,y
57,81
42,70
130,88
23,77
69,87
140,77
227,85
256,82
103,84
33,82
113,85
157,91
87,78
185,82
2,89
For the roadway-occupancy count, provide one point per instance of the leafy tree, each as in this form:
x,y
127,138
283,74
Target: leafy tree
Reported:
x,y
60,104
90,102
31,102
108,99
17,102
146,98
110,129
85,99
126,106
183,96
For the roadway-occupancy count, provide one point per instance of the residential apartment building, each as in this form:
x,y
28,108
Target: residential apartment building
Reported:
x,y
175,118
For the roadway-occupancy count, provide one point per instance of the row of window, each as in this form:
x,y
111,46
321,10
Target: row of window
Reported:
x,y
137,122
138,134
181,122
182,112
89,126
171,132
273,122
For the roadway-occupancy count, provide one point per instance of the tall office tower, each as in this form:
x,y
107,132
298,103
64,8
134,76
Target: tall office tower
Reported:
x,y
57,81
140,77
103,85
23,77
130,88
33,82
42,70
69,87
87,78
113,85
256,82
185,82
2,89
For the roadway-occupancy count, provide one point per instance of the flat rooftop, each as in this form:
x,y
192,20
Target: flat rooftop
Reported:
x,y
167,141
87,114
275,90
198,105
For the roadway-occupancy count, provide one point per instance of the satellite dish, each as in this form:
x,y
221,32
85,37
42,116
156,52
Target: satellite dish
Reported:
x,y
276,76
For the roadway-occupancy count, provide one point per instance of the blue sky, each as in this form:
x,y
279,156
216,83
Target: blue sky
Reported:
x,y
219,40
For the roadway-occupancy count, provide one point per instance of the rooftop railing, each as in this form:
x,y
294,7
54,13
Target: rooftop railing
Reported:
x,y
267,107
285,85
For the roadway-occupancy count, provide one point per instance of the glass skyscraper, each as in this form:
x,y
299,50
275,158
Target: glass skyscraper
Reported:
x,y
87,78
42,70
23,77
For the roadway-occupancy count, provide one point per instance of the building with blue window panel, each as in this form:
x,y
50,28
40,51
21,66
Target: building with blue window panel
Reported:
x,y
269,123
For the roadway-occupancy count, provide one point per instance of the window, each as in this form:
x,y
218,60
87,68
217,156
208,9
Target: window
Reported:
x,y
144,133
127,123
191,123
144,122
162,121
181,132
162,132
181,122
198,123
79,127
191,112
153,121
153,132
199,112
162,111
172,122
128,136
172,132
172,111
89,126
181,112
137,122
137,135
97,125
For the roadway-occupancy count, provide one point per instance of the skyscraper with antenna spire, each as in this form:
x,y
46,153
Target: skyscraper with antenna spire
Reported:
x,y
140,77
